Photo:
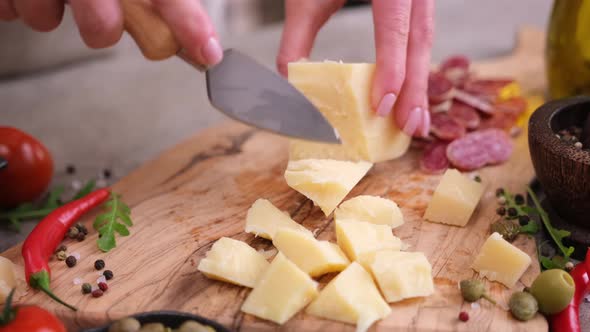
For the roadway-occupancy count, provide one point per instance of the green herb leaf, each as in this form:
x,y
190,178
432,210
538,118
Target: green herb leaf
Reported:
x,y
53,197
114,220
87,189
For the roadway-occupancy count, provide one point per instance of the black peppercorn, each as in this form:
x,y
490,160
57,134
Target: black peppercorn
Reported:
x,y
499,192
523,220
81,228
519,199
106,173
86,288
73,232
97,293
501,211
99,264
71,261
512,212
477,178
70,169
108,274
62,247
81,236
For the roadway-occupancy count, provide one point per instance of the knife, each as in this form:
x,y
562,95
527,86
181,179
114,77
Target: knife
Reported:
x,y
238,86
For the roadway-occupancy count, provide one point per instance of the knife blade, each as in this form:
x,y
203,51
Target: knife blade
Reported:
x,y
238,86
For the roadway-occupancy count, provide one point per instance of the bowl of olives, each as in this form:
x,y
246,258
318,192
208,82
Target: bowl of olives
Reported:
x,y
162,321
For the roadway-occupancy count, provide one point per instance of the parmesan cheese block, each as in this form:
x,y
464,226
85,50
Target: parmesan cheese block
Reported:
x,y
373,209
454,199
401,275
498,260
8,278
326,182
351,297
341,92
233,261
357,238
310,255
281,292
264,219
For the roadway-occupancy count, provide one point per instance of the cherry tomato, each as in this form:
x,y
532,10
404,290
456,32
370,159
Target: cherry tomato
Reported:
x,y
28,170
33,319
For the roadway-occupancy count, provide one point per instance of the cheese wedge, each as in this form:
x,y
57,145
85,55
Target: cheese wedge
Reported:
x,y
498,260
372,209
341,92
8,278
351,297
401,275
233,261
357,238
310,255
326,182
454,199
264,219
281,292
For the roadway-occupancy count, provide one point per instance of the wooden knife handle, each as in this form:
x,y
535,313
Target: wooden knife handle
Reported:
x,y
150,32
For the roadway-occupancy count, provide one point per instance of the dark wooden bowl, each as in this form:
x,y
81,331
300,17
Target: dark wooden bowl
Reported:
x,y
562,169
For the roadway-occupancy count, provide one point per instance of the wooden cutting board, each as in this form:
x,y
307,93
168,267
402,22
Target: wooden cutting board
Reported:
x,y
200,190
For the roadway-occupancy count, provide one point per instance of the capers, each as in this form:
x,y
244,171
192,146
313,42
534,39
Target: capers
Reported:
x,y
192,326
523,306
553,289
125,325
473,290
153,327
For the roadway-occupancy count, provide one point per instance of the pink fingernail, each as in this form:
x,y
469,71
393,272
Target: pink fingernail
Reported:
x,y
386,104
425,124
212,52
413,121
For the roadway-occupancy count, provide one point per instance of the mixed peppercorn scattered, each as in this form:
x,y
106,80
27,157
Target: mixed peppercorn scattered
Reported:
x,y
572,136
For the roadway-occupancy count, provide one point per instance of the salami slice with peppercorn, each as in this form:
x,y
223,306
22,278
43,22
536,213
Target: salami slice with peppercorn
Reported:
x,y
480,148
439,88
445,127
456,69
434,159
465,115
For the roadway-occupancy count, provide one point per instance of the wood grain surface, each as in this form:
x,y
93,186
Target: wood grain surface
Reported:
x,y
200,190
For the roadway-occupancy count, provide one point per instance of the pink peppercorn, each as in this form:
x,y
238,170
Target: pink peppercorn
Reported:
x,y
463,316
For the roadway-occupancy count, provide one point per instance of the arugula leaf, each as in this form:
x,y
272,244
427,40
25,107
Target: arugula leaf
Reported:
x,y
114,220
530,228
556,234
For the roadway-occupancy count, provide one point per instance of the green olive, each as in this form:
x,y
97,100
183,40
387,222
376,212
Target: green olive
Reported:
x,y
553,289
523,306
125,325
153,327
192,326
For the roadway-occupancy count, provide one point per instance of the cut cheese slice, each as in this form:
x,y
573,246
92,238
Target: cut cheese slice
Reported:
x,y
454,199
8,278
351,297
372,209
401,275
357,238
233,261
310,255
326,182
341,92
499,260
264,219
281,292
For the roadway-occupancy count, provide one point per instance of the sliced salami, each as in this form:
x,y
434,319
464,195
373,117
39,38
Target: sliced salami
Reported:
x,y
439,88
434,158
474,101
464,114
445,127
456,69
445,106
488,89
480,148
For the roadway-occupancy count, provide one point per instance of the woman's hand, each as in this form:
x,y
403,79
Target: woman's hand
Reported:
x,y
403,40
100,22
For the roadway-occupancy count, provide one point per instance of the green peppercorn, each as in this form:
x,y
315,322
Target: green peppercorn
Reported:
x,y
501,211
473,290
99,264
125,325
192,326
71,261
500,192
523,306
62,247
86,288
108,274
512,212
73,232
519,199
61,255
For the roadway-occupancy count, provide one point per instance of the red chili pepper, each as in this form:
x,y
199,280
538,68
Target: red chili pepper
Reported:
x,y
46,236
568,320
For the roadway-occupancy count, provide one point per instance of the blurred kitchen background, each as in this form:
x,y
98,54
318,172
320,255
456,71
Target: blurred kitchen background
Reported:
x,y
112,109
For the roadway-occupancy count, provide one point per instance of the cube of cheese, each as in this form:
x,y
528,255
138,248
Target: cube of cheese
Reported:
x,y
8,278
454,199
351,297
310,255
357,238
342,93
372,209
233,261
264,219
498,260
326,182
281,292
401,275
